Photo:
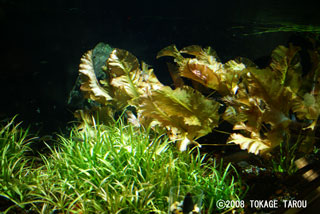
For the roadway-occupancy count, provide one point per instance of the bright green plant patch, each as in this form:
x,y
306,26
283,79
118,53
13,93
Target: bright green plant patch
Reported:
x,y
14,165
116,168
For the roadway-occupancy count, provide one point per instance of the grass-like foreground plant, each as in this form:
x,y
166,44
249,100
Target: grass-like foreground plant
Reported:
x,y
14,165
116,168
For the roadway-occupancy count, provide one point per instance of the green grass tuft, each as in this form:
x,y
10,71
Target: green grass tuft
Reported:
x,y
108,169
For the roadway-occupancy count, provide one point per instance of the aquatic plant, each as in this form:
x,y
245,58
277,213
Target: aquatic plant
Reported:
x,y
272,98
115,168
205,68
14,166
266,106
184,112
262,103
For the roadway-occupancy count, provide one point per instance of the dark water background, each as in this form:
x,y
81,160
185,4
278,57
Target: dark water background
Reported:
x,y
42,42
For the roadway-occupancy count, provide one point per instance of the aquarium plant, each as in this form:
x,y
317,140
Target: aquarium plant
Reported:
x,y
266,106
183,112
15,163
108,168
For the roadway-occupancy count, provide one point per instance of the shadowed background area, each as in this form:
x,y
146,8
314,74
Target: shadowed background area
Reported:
x,y
42,42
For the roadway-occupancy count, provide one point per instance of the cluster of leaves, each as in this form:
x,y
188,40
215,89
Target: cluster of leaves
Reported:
x,y
14,165
185,113
276,103
115,168
266,106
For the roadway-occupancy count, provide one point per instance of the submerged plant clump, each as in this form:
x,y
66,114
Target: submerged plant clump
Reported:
x,y
113,168
185,113
15,164
266,106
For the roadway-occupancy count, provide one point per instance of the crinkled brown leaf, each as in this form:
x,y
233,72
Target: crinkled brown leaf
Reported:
x,y
307,107
268,100
121,62
206,55
122,67
184,111
262,84
127,79
286,64
206,69
169,51
253,145
90,85
203,69
233,71
262,102
202,73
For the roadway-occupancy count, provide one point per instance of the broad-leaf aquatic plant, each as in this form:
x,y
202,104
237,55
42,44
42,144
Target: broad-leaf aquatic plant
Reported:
x,y
205,68
266,106
185,113
271,100
262,103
